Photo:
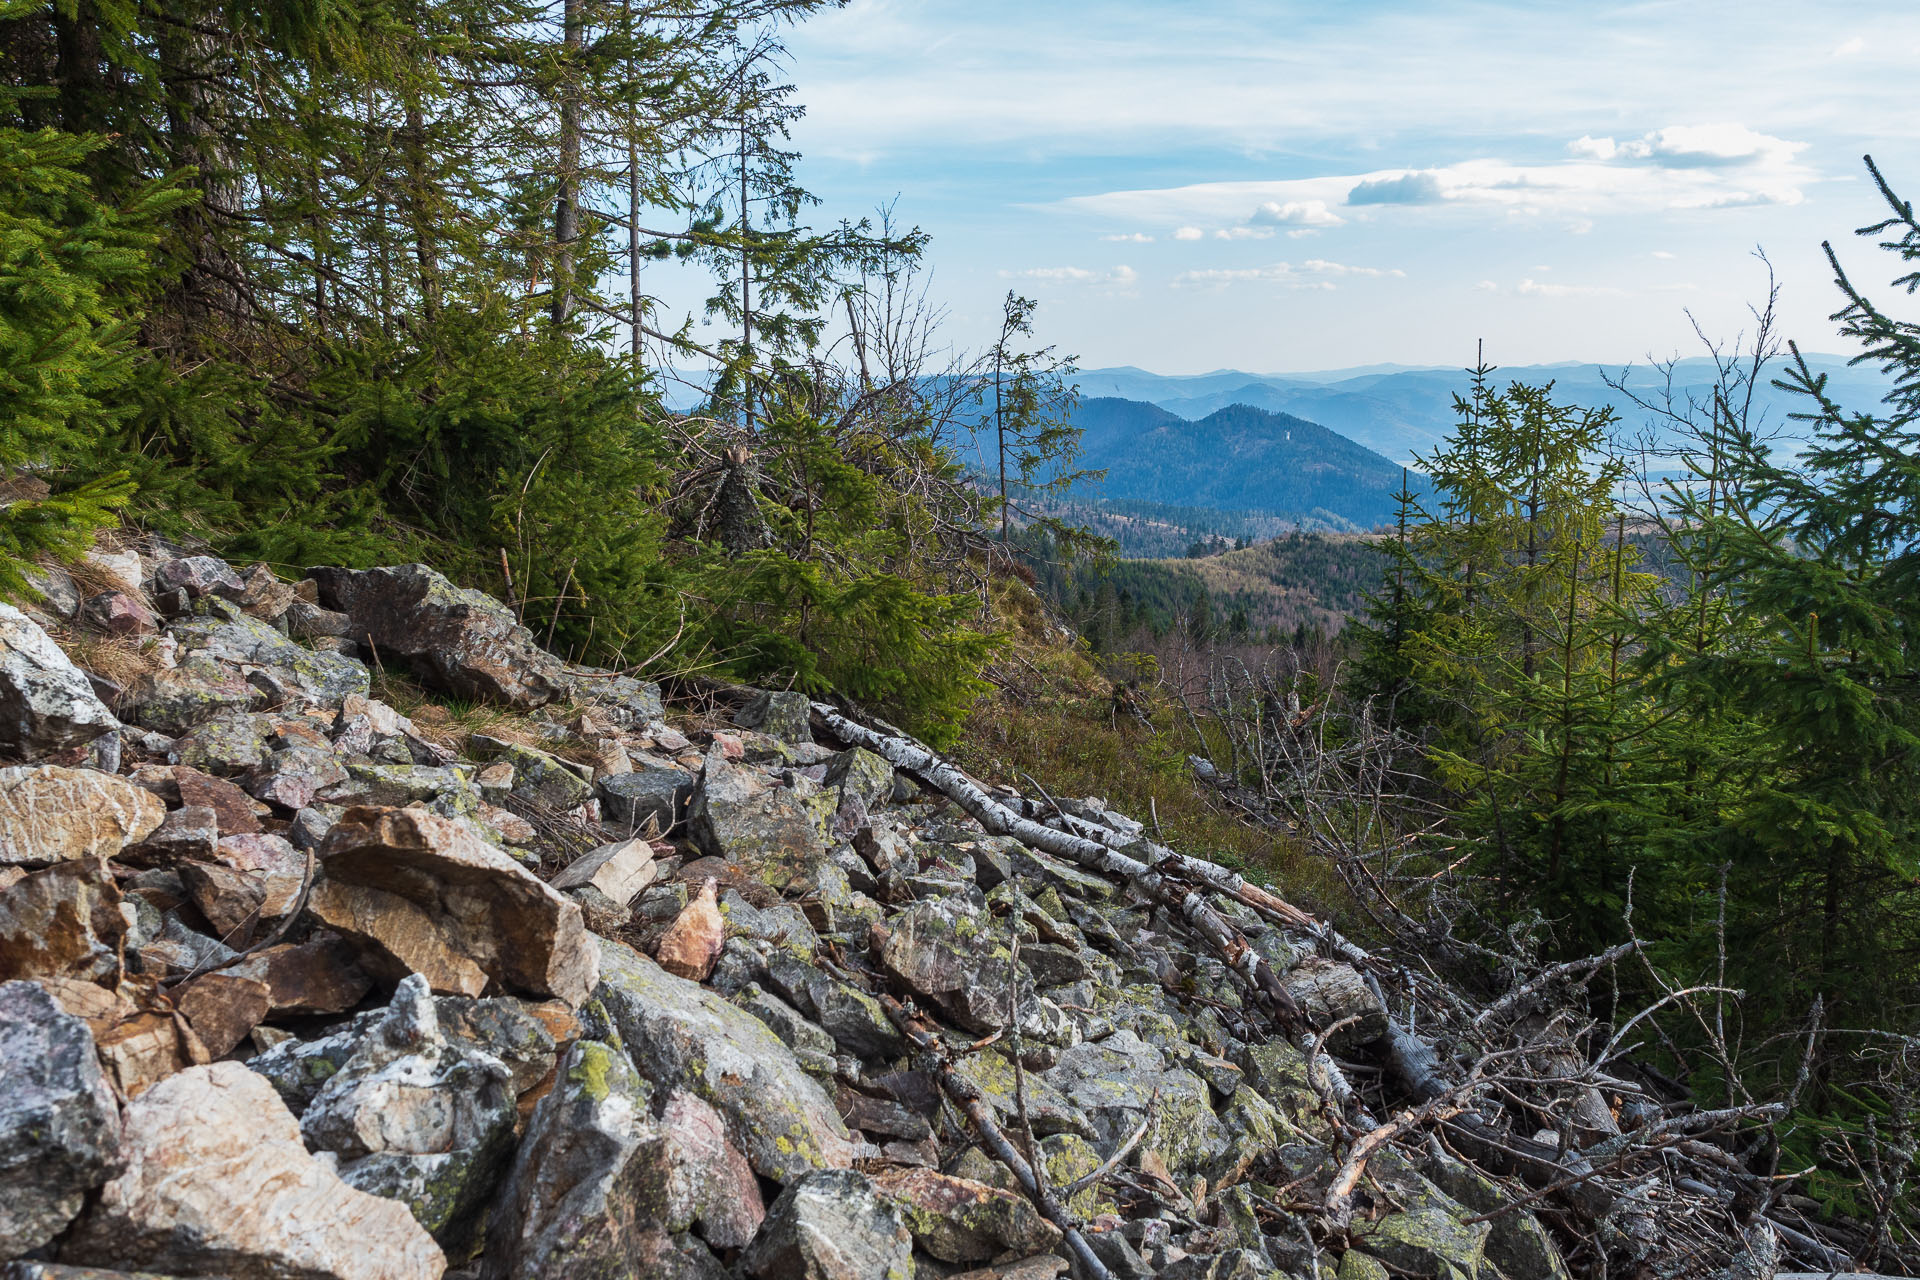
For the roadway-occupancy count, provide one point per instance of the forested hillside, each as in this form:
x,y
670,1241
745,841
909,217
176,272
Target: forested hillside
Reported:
x,y
617,730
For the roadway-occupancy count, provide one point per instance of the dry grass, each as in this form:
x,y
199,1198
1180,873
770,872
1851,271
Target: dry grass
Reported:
x,y
121,659
447,721
1052,716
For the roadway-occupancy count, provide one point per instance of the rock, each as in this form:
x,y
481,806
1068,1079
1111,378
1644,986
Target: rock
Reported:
x,y
49,814
46,703
593,1193
233,810
121,570
417,1117
310,622
222,1008
692,942
64,922
190,833
198,576
463,641
712,1186
1114,1082
960,1221
58,594
786,716
427,894
290,779
773,834
319,975
1516,1243
217,1182
831,1225
59,1123
232,901
1426,1241
263,595
683,1036
119,613
231,742
537,775
139,1052
619,870
629,799
174,699
1331,992
281,668
946,950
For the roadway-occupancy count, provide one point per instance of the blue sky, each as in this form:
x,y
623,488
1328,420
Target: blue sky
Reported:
x,y
1291,186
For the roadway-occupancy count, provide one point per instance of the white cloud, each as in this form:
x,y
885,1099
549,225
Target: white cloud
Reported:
x,y
1663,255
1536,289
1685,167
1244,233
1486,286
1130,237
1847,48
1120,277
1296,213
1314,273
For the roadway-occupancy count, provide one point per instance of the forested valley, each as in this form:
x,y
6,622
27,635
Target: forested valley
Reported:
x,y
1613,753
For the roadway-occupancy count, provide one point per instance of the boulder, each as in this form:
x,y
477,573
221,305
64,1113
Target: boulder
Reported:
x,y
217,1182
418,1117
174,699
187,834
1115,1082
222,1008
198,576
588,1196
771,832
786,716
233,810
228,743
119,570
319,975
949,950
262,594
537,775
619,870
711,1184
64,922
59,1123
276,665
646,791
119,613
1331,993
683,1036
463,641
692,942
831,1225
426,894
956,1220
46,703
49,814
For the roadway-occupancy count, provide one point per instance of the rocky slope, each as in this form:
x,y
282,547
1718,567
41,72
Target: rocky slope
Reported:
x,y
294,985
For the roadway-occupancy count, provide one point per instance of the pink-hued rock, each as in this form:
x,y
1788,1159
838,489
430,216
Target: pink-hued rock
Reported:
x,y
692,942
49,814
218,1182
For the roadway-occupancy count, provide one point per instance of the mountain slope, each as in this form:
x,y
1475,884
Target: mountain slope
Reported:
x,y
1238,458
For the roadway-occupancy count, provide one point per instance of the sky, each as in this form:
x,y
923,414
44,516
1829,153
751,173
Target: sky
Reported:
x,y
1302,186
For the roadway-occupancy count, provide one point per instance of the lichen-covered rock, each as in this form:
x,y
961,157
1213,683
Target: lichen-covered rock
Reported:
x,y
774,834
645,791
198,576
417,1117
831,1225
46,704
1115,1082
619,870
49,814
683,1036
950,950
785,716
245,643
59,1123
1333,993
590,1194
960,1221
537,775
409,885
1517,1243
218,1183
174,699
228,743
463,641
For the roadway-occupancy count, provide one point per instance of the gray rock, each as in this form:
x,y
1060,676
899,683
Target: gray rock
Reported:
x,y
59,1123
683,1036
1114,1082
175,699
46,703
786,716
237,639
537,775
778,836
417,1117
309,621
198,576
785,1021
589,1196
831,1225
629,799
230,742
465,642
620,699
58,594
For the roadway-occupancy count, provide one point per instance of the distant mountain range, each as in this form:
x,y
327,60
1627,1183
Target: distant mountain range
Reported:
x,y
1400,412
1237,458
